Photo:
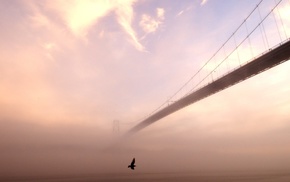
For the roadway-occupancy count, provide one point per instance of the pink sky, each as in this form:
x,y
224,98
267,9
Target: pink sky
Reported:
x,y
69,68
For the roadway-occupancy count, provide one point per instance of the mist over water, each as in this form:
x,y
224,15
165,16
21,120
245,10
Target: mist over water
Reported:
x,y
78,153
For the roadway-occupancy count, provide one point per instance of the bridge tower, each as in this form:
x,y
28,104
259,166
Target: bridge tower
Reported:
x,y
116,126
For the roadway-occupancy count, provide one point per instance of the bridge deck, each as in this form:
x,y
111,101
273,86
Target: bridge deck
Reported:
x,y
266,61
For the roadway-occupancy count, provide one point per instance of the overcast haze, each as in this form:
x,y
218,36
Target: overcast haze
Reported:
x,y
69,68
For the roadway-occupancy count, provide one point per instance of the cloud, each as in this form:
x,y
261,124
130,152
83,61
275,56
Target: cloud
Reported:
x,y
81,16
150,24
160,13
39,20
203,2
125,16
183,11
180,13
50,47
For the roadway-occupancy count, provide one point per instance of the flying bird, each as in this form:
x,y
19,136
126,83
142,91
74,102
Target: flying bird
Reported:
x,y
132,165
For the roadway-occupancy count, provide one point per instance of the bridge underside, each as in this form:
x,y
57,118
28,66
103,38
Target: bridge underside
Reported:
x,y
266,61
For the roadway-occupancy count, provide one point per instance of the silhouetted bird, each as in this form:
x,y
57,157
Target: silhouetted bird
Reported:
x,y
132,165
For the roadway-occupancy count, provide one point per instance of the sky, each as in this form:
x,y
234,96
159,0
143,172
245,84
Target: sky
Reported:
x,y
68,69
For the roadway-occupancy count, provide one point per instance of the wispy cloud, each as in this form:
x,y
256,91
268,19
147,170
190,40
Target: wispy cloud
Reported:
x,y
183,11
125,16
39,20
150,24
180,13
81,16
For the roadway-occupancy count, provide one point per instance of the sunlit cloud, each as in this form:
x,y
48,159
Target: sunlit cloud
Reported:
x,y
125,17
203,2
150,24
53,34
160,13
81,16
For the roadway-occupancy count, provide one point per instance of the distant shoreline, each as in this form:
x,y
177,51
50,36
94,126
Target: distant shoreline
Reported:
x,y
241,176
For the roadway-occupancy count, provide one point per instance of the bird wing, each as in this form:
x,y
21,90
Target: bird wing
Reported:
x,y
133,161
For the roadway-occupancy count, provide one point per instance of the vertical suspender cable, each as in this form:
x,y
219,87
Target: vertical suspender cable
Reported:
x,y
277,25
227,60
285,32
263,31
237,49
249,40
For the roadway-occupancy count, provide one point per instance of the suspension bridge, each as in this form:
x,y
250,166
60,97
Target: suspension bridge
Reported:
x,y
259,43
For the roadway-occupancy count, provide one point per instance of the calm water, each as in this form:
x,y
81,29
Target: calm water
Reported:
x,y
163,177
